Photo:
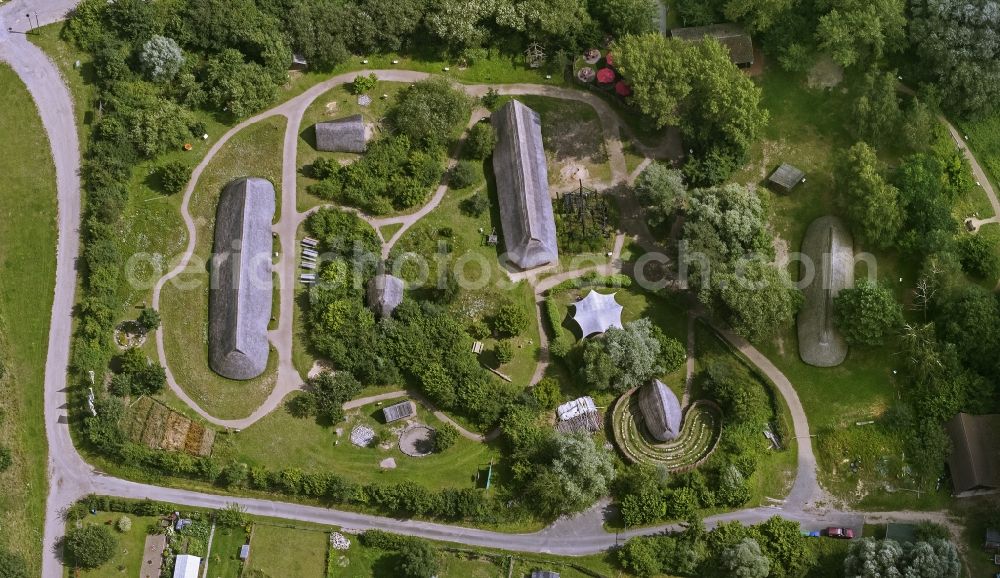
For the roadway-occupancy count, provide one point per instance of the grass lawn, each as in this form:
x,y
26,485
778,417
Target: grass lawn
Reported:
x,y
283,551
128,557
336,103
255,151
27,277
282,441
224,559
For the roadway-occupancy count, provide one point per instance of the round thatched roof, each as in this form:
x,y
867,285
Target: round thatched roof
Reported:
x,y
660,410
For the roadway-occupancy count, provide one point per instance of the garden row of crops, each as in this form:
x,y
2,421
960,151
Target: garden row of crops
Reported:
x,y
699,435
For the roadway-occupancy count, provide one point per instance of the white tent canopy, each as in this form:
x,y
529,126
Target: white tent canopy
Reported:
x,y
596,313
186,566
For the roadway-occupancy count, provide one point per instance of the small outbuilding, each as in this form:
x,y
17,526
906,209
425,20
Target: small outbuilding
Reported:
x,y
661,410
186,566
343,135
299,62
785,178
398,411
992,541
239,302
385,293
975,454
244,551
597,312
544,574
732,36
529,226
577,407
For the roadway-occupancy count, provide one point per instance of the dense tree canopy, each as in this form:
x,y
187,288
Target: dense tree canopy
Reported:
x,y
89,546
870,558
661,191
871,203
866,313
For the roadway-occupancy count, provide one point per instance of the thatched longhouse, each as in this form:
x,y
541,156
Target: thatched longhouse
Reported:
x,y
660,410
385,293
343,135
828,244
239,304
529,228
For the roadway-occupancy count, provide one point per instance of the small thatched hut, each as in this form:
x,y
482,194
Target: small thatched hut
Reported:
x,y
529,227
385,293
975,455
239,303
343,135
732,36
660,410
830,248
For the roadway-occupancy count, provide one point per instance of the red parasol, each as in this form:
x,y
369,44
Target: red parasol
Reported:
x,y
605,76
609,60
622,89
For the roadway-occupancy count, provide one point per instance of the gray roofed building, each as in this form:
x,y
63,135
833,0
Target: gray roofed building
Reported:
x,y
385,293
786,177
597,312
529,228
975,454
239,304
732,36
343,135
660,410
828,244
401,410
544,574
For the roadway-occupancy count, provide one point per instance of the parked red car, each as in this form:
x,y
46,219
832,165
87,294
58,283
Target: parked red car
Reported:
x,y
842,533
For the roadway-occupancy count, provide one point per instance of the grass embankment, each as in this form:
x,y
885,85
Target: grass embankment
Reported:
x,y
254,151
281,441
27,277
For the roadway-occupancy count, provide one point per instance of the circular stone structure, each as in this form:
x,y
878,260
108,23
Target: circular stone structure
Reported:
x,y
417,441
701,427
129,334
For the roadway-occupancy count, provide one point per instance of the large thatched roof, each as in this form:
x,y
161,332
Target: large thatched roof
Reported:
x,y
732,36
975,454
529,229
240,298
829,247
385,293
343,135
660,410
596,313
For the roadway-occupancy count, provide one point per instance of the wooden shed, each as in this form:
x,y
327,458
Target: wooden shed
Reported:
x,y
785,178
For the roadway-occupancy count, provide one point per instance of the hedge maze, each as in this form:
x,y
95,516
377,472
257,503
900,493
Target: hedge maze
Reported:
x,y
700,431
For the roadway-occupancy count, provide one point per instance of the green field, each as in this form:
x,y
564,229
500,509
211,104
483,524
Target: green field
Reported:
x,y
27,277
282,551
224,559
281,441
254,151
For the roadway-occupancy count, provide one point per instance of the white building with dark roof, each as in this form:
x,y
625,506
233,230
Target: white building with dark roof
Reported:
x,y
239,305
529,227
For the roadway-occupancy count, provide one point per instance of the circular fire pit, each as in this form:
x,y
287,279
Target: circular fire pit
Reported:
x,y
417,441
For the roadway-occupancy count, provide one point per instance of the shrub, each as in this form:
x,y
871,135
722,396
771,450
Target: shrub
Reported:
x,y
417,560
174,176
5,459
475,205
504,352
463,175
509,320
12,565
547,393
89,546
323,168
363,84
124,524
491,98
161,58
481,140
977,256
445,437
149,318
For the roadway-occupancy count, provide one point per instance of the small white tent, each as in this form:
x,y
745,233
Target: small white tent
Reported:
x,y
596,313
